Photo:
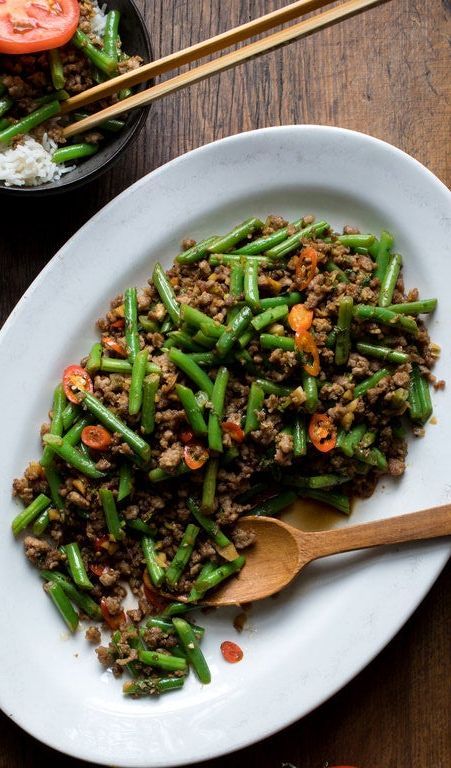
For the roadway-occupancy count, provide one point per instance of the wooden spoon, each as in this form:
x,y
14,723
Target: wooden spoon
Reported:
x,y
280,551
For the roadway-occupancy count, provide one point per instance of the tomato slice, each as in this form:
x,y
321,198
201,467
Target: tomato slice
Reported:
x,y
231,652
96,437
114,622
195,455
113,346
234,430
323,433
186,436
300,318
306,266
75,378
306,344
27,26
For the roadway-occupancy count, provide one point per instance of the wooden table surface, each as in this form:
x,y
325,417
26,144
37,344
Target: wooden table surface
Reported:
x,y
385,73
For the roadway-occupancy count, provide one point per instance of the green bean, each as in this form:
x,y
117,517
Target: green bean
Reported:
x,y
210,526
41,523
263,244
61,95
114,524
209,486
30,513
4,123
94,359
386,316
166,293
115,424
294,242
213,329
70,413
299,437
275,504
227,242
315,481
341,276
72,437
251,293
276,301
331,339
356,241
246,338
192,370
202,340
364,386
372,456
110,35
343,339
135,396
54,482
105,63
162,661
74,152
272,388
338,500
56,69
139,526
174,609
269,316
230,259
76,566
131,323
236,327
182,340
252,492
381,254
254,405
419,397
63,604
382,353
71,456
167,626
81,599
310,387
389,280
111,365
125,481
220,573
154,569
236,280
112,125
30,121
152,687
182,555
270,341
423,306
192,410
197,252
195,594
190,644
56,424
5,105
150,326
149,393
352,439
157,475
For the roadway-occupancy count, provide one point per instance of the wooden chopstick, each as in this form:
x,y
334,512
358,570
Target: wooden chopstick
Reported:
x,y
193,53
284,36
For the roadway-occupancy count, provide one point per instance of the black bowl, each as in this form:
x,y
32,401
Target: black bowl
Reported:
x,y
136,41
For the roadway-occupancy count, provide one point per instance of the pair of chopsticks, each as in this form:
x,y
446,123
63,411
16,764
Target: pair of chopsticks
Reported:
x,y
206,48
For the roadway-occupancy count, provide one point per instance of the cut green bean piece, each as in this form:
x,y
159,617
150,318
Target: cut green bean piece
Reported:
x,y
157,475
56,424
154,568
229,259
61,95
113,365
63,604
274,505
166,293
150,326
41,523
197,252
388,283
310,387
210,526
135,396
226,243
272,388
209,486
190,644
316,481
234,330
5,105
251,292
115,424
76,566
341,276
72,456
94,359
152,687
382,353
343,338
30,513
294,242
420,307
299,438
139,526
125,481
269,316
74,152
182,340
168,627
372,456
196,594
263,244
192,409
111,34
131,323
73,436
236,280
337,500
81,599
113,522
372,381
191,369
420,405
254,405
356,241
386,316
182,555
162,661
26,124
381,254
56,69
286,298
220,574
149,393
54,482
175,609
352,439
105,63
270,341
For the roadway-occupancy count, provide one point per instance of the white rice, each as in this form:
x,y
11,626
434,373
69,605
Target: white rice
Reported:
x,y
99,18
30,163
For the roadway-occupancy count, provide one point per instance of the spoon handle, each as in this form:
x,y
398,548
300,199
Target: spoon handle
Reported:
x,y
427,524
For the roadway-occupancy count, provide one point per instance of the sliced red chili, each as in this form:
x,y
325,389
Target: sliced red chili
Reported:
x,y
113,346
114,621
231,652
234,430
323,433
195,455
96,437
76,379
97,569
119,324
186,436
306,344
156,601
101,543
300,318
306,264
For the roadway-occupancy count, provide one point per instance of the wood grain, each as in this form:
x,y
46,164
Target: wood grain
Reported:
x,y
385,73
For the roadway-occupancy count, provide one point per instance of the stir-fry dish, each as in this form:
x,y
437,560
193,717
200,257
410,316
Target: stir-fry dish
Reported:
x,y
275,363
48,53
